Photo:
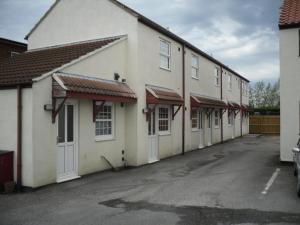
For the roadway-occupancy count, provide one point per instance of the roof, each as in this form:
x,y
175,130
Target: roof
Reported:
x,y
207,102
156,27
160,95
290,14
92,88
23,68
11,42
233,105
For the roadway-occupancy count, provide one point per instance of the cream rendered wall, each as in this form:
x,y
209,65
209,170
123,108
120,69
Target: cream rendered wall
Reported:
x,y
8,123
289,91
8,126
27,157
149,72
233,95
44,135
90,150
205,85
95,19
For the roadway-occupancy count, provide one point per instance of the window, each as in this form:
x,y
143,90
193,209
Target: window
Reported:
x,y
229,81
217,76
217,118
164,120
239,84
230,118
105,122
165,54
195,119
195,67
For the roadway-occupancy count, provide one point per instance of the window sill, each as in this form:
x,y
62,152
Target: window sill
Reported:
x,y
195,130
217,127
217,85
165,133
195,78
166,69
104,138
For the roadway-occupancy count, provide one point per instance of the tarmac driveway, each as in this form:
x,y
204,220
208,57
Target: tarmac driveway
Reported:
x,y
239,182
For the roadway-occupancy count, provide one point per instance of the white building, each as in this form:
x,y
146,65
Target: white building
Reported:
x,y
289,26
77,116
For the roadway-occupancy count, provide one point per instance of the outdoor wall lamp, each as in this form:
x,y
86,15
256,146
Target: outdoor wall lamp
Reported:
x,y
48,107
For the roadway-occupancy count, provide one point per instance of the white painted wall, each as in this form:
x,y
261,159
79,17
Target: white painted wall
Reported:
x,y
8,127
149,72
289,92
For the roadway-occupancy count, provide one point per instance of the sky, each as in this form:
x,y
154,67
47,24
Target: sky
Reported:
x,y
242,34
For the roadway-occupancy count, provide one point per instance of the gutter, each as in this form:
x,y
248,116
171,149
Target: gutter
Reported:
x,y
19,137
183,96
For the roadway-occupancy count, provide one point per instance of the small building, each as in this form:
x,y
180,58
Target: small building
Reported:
x,y
107,86
8,48
289,31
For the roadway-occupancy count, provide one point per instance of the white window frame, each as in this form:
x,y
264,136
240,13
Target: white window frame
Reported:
x,y
217,76
230,82
112,135
162,54
167,132
217,118
197,118
193,67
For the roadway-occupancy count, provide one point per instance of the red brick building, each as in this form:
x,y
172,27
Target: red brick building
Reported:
x,y
7,47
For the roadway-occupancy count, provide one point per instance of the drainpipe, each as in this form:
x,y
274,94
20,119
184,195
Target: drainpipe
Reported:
x,y
222,128
241,100
183,95
19,138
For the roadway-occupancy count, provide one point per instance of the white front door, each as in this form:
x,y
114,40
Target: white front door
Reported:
x,y
201,128
153,155
233,124
67,156
209,129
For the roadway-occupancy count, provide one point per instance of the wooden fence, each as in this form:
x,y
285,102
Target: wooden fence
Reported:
x,y
264,125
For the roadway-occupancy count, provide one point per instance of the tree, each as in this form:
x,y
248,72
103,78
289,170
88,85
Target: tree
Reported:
x,y
264,95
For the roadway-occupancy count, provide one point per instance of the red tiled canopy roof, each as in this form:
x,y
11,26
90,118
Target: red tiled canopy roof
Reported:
x,y
76,86
290,14
21,69
233,105
159,95
205,102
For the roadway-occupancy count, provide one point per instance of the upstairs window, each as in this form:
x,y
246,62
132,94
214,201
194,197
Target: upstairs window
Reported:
x,y
164,120
217,76
229,81
165,55
195,67
104,122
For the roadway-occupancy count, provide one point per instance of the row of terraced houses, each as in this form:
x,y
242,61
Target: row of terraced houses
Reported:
x,y
101,85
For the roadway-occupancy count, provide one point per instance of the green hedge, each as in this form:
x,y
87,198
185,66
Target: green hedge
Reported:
x,y
265,111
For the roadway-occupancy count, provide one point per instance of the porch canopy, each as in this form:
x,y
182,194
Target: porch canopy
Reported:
x,y
233,106
83,87
163,96
245,109
206,102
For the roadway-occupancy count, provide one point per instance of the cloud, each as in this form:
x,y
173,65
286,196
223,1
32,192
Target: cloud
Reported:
x,y
242,34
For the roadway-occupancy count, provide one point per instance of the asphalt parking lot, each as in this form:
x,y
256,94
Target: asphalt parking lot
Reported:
x,y
223,184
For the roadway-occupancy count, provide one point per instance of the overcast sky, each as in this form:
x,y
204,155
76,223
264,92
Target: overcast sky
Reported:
x,y
242,34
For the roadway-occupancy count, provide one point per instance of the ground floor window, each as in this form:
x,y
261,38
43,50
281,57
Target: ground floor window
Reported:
x,y
217,118
105,122
195,119
164,120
